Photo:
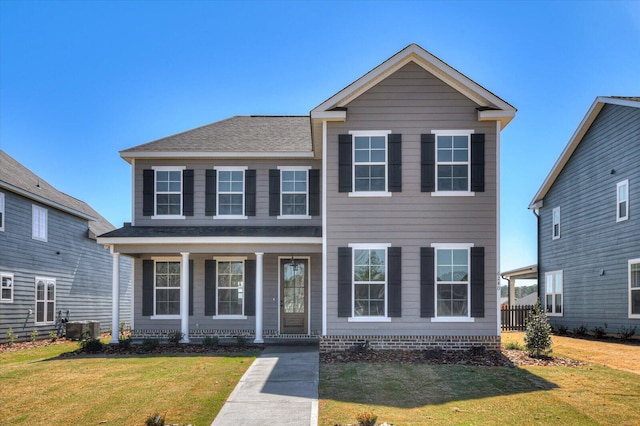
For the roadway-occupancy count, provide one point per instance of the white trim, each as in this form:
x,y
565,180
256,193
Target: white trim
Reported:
x,y
214,154
362,246
500,116
293,216
453,319
231,259
166,259
230,317
453,132
230,216
2,211
374,246
13,286
329,115
324,228
369,319
624,183
162,317
294,168
168,168
169,216
452,246
175,259
385,163
631,261
553,223
42,222
133,196
546,277
453,193
157,169
308,259
231,169
210,240
370,132
498,220
370,194
46,300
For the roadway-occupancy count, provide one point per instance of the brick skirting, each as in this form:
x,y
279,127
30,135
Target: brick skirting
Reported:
x,y
408,343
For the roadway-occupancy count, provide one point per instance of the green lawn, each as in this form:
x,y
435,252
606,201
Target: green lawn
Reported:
x,y
38,387
447,395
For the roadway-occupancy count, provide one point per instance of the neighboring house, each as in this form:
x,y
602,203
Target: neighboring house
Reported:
x,y
373,218
588,222
51,266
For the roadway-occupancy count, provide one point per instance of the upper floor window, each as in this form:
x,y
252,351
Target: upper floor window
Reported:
x,y
167,287
553,292
1,211
45,300
634,288
230,287
555,223
6,287
168,191
453,162
230,192
370,161
622,210
294,192
452,280
39,223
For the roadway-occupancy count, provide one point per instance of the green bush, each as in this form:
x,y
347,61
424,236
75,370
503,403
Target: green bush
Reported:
x,y
627,333
175,337
53,336
124,343
210,342
514,346
34,336
149,345
366,418
580,331
561,330
11,337
537,337
91,345
599,332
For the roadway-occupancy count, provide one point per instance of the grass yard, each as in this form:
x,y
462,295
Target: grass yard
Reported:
x,y
39,388
602,392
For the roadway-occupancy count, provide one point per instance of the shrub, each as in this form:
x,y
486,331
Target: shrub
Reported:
x,y
11,337
599,332
155,420
366,418
33,336
149,345
242,341
124,343
627,333
537,337
580,331
91,345
53,336
514,346
210,342
561,330
175,337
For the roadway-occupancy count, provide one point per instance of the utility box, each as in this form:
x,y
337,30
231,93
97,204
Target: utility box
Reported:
x,y
77,330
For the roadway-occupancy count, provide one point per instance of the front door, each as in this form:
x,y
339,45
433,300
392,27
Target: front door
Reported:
x,y
294,287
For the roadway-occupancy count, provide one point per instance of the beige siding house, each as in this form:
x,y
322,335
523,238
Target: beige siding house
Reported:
x,y
374,218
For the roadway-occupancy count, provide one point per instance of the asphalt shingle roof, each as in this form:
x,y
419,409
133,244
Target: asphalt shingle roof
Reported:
x,y
255,133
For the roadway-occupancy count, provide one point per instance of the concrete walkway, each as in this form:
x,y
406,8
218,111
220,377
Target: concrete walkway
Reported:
x,y
279,388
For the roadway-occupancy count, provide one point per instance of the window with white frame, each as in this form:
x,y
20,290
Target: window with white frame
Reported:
x,y
634,288
555,223
1,211
294,192
39,223
230,286
168,182
452,280
167,287
553,293
453,163
622,204
370,161
230,192
6,287
369,282
45,300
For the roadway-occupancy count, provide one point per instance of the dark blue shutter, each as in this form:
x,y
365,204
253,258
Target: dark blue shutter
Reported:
x,y
210,189
250,288
428,162
395,163
314,192
148,192
345,163
477,162
394,307
210,295
187,192
427,282
274,192
344,281
250,192
147,288
191,287
477,282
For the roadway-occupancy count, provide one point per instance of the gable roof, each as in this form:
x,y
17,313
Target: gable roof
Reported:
x,y
491,107
16,178
585,124
255,135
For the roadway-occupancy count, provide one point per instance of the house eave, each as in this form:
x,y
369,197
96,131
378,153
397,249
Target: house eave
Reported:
x,y
208,240
131,155
503,116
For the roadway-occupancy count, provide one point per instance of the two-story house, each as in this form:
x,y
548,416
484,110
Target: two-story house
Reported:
x,y
588,228
51,266
375,217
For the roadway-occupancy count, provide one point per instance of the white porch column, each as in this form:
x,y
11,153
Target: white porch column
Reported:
x,y
259,269
184,297
115,297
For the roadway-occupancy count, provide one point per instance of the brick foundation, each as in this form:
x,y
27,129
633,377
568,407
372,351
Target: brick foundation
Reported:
x,y
408,343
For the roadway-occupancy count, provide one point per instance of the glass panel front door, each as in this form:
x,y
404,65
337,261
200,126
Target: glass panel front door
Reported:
x,y
293,296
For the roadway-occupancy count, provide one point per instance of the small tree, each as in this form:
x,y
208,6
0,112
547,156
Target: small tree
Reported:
x,y
537,337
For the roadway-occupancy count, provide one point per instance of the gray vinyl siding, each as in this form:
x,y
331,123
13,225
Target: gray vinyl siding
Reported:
x,y
81,268
412,102
590,238
261,218
270,296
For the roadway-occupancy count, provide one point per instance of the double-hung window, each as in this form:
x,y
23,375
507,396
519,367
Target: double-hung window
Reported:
x,y
370,161
45,300
230,196
1,211
452,280
553,293
369,281
294,192
453,161
39,223
6,287
230,287
555,223
168,192
622,204
634,288
167,287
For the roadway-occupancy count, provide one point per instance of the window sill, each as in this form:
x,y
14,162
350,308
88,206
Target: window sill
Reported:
x,y
370,194
44,240
168,216
634,316
549,314
453,319
164,317
6,300
230,317
231,216
294,216
618,220
453,194
369,319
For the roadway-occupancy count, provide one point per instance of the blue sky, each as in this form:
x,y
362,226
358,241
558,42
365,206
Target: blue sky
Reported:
x,y
82,80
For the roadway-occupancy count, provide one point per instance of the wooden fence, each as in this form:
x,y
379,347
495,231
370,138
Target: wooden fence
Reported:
x,y
514,317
